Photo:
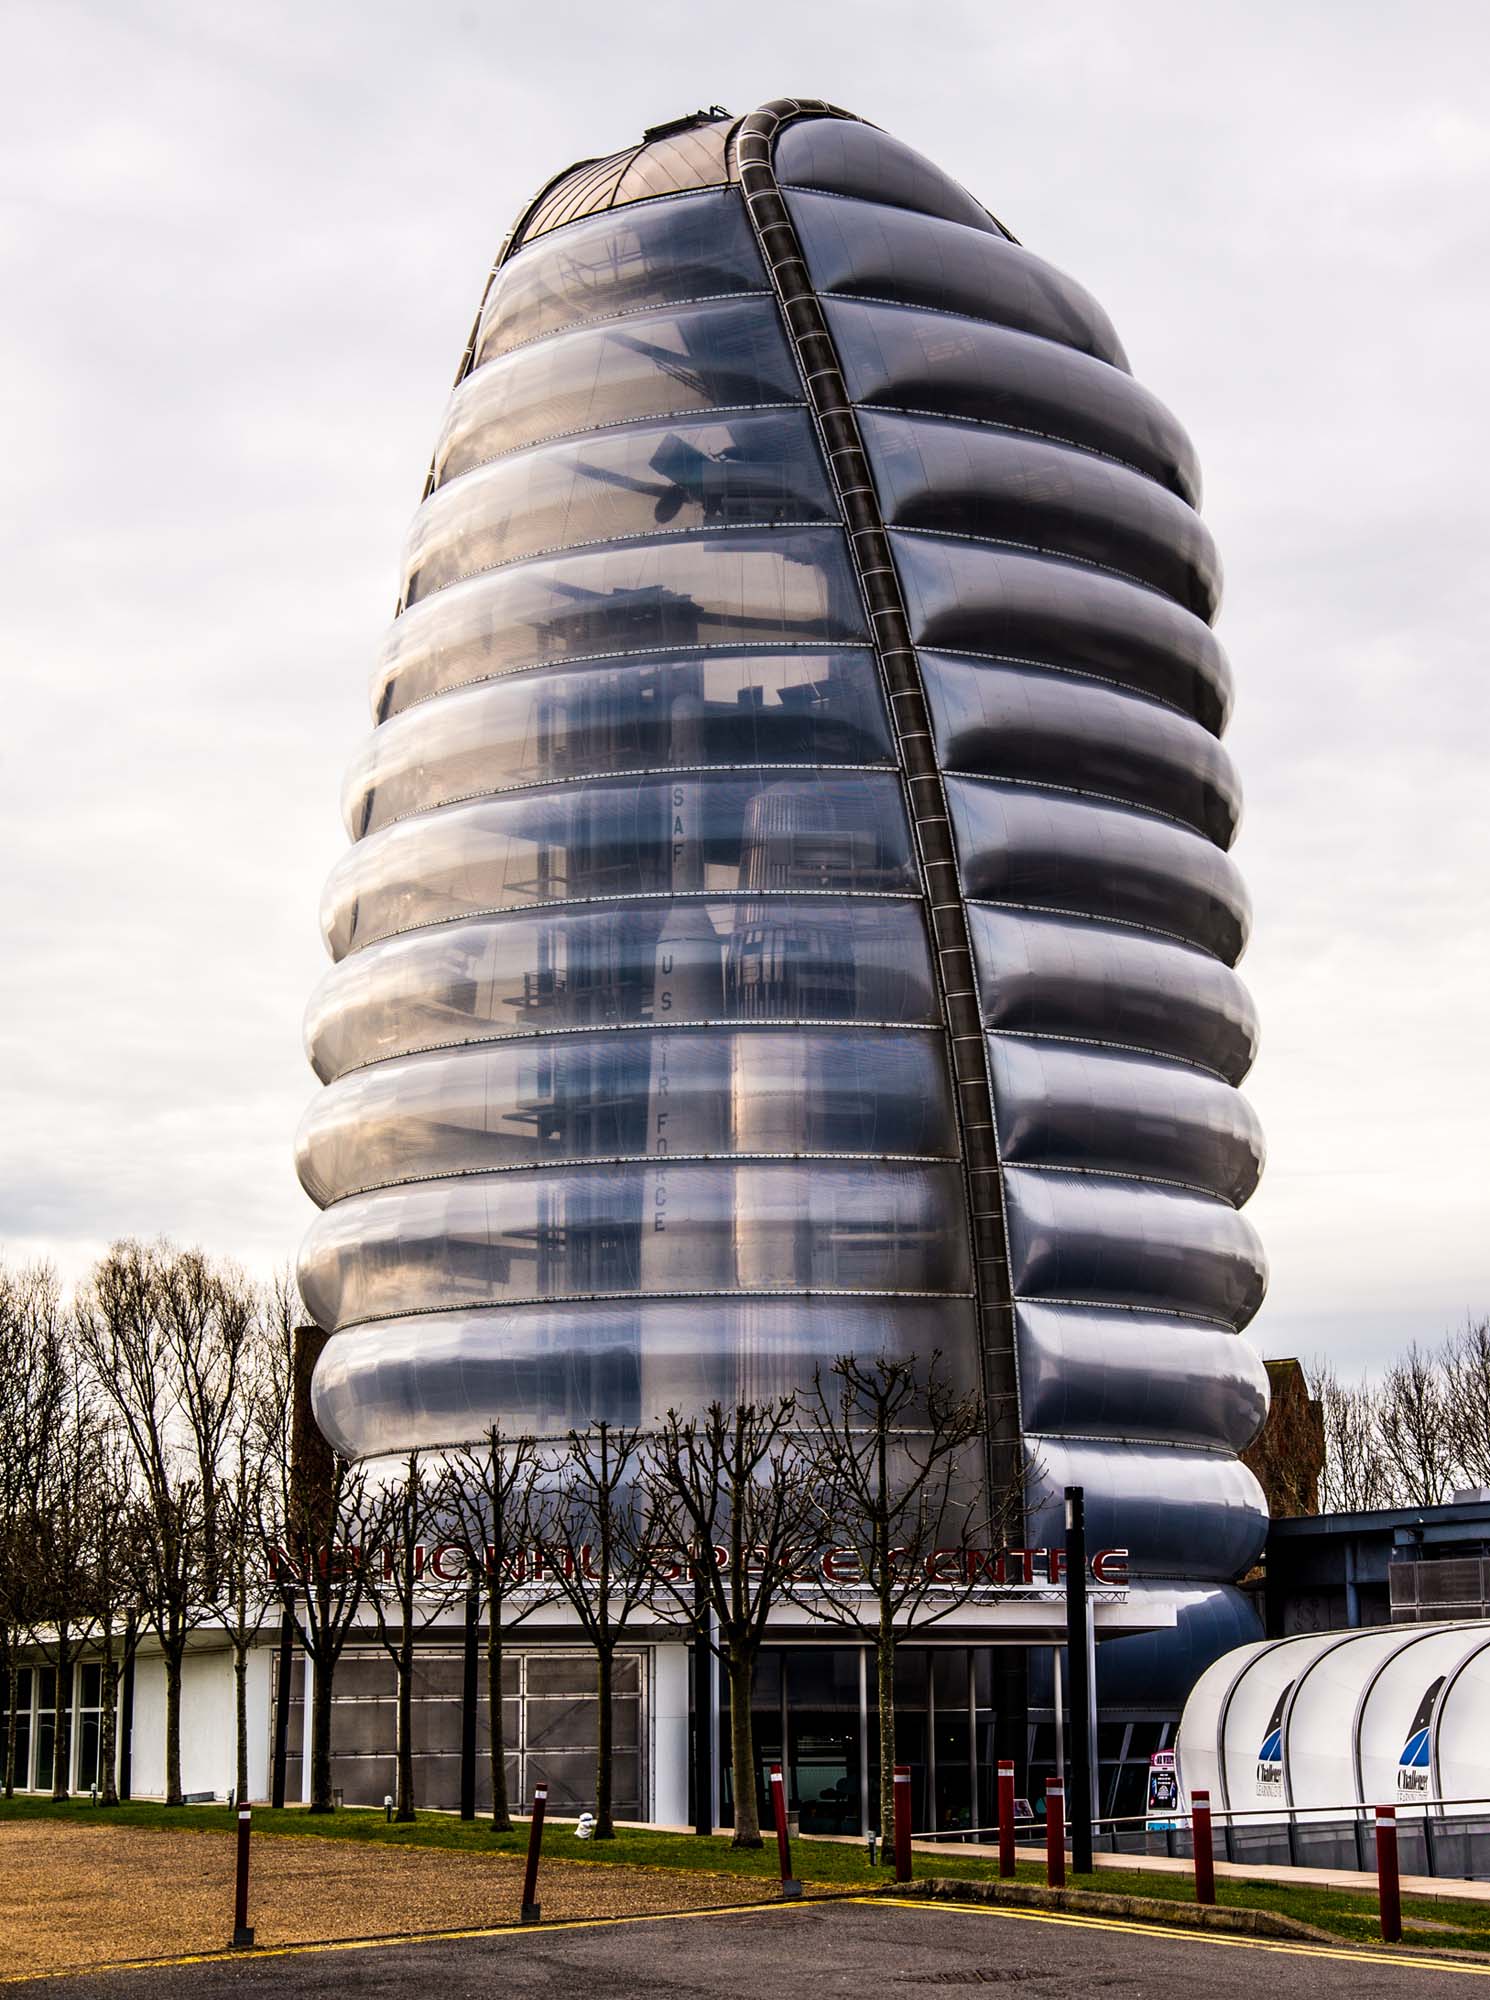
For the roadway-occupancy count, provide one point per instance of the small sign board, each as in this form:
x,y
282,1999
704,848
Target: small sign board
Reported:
x,y
1023,1810
1164,1793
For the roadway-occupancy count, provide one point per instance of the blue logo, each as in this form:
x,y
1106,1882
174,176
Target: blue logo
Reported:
x,y
1270,1756
1415,1765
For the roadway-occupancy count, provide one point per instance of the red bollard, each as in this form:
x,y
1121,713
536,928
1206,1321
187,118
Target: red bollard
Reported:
x,y
902,1822
1055,1833
1388,1879
1205,1852
790,1886
532,1908
243,1936
1006,1819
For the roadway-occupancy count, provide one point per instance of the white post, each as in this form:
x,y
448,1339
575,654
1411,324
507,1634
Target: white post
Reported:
x,y
307,1696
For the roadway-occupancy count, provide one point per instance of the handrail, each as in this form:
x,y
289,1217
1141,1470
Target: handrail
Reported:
x,y
1181,1817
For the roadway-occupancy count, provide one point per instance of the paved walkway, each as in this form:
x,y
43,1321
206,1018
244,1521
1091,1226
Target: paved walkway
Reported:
x,y
848,1948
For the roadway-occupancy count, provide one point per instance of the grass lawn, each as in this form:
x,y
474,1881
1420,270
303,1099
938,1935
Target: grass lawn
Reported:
x,y
1437,1925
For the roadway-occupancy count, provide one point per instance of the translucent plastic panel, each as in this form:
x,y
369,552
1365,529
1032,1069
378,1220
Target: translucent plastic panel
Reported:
x,y
691,247
441,1379
1252,1719
686,1228
842,156
1041,975
746,959
660,364
1024,846
1101,1371
964,479
1001,721
758,587
824,833
869,251
1179,1512
909,358
740,471
969,597
1084,1238
1110,1111
584,1097
809,706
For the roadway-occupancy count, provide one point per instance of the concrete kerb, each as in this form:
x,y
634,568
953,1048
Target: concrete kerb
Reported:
x,y
1098,1903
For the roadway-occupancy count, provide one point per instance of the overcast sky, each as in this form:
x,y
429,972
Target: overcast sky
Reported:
x,y
242,248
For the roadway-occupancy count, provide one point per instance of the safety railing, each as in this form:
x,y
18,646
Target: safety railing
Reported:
x,y
1377,1836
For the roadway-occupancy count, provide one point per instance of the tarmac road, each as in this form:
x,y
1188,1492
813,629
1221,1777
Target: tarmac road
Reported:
x,y
870,1949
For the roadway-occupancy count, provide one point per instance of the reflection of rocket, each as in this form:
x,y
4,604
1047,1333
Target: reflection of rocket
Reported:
x,y
683,1119
1415,1765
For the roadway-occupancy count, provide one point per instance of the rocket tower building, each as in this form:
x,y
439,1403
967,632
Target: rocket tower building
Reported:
x,y
789,909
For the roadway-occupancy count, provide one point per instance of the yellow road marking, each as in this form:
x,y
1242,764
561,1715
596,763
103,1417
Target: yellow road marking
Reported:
x,y
1075,1920
414,1937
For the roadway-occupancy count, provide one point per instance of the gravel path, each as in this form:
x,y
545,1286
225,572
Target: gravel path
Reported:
x,y
73,1896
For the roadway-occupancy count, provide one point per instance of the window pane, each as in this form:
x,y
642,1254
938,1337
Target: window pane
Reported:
x,y
823,833
1105,1371
1052,975
641,1095
764,587
654,364
691,247
964,479
970,598
1081,1237
544,1369
903,357
843,156
1018,845
997,720
685,1229
868,250
758,468
807,706
1195,1514
787,958
1105,1109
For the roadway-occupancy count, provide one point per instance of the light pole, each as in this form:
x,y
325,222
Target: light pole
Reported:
x,y
1079,1681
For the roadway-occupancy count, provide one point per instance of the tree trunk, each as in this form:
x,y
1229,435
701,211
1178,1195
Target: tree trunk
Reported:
x,y
405,1665
62,1740
501,1809
108,1723
12,1675
173,1654
320,1738
885,1670
742,1750
240,1717
605,1674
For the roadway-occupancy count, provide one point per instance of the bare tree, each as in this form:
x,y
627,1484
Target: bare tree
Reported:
x,y
404,1593
599,1538
33,1384
899,1509
62,1612
1355,1475
239,1580
320,1536
1415,1429
1466,1364
117,1521
734,1490
132,1353
489,1502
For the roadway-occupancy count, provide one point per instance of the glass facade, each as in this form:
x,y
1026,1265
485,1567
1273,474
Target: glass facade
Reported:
x,y
782,492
